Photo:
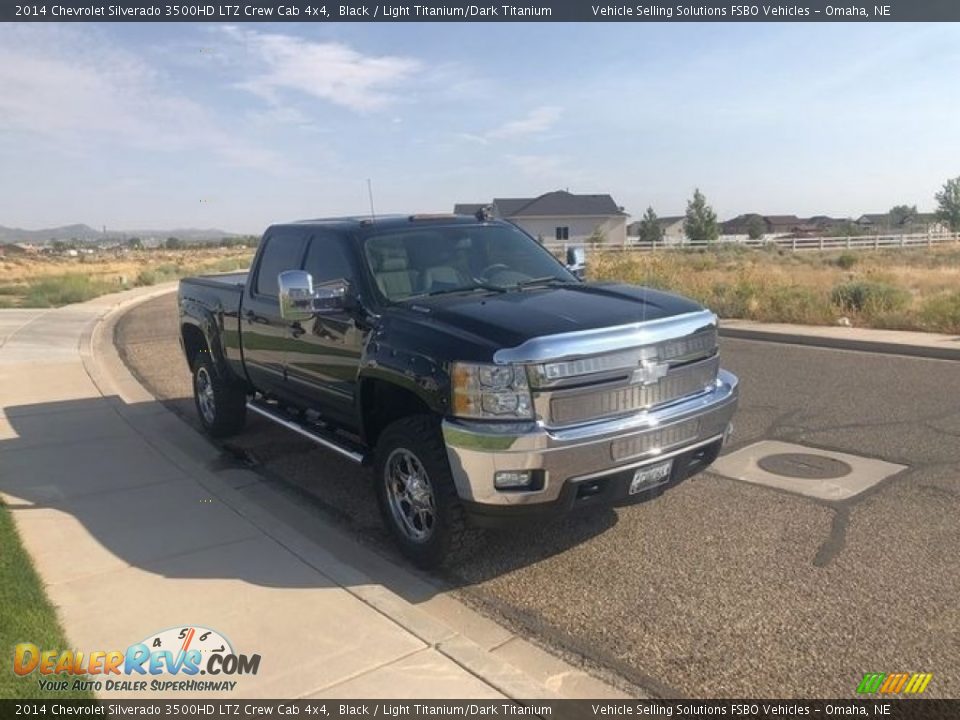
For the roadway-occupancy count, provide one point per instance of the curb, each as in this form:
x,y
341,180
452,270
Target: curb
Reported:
x,y
931,352
451,628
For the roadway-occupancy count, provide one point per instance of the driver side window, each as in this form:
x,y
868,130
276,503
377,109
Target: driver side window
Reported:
x,y
327,260
282,252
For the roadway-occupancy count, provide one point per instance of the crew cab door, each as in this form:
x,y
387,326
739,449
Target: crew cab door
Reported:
x,y
264,335
324,359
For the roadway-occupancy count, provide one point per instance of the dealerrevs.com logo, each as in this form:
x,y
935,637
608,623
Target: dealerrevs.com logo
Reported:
x,y
168,661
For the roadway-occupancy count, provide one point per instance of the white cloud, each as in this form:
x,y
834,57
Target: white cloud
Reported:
x,y
77,91
326,70
537,121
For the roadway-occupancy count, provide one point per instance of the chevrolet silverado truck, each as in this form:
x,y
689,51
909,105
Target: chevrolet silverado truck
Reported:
x,y
479,377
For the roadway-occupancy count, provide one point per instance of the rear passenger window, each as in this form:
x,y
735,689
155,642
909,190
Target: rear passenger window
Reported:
x,y
283,252
327,260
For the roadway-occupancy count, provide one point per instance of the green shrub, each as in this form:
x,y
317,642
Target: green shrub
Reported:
x,y
231,263
795,304
869,297
846,261
145,277
65,289
941,313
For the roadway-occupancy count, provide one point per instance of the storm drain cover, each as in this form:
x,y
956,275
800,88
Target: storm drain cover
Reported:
x,y
814,472
804,465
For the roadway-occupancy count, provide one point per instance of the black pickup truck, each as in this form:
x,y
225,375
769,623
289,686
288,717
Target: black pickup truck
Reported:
x,y
480,378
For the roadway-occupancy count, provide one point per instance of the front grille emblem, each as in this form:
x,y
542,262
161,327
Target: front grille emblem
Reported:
x,y
649,372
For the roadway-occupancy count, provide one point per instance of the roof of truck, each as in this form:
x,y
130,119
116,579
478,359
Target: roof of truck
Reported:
x,y
388,222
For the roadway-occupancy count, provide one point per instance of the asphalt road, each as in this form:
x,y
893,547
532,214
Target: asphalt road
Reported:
x,y
718,587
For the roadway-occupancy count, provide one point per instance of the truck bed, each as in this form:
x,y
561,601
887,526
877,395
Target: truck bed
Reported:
x,y
219,280
221,293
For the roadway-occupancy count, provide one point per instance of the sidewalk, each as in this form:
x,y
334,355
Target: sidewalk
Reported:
x,y
892,342
137,524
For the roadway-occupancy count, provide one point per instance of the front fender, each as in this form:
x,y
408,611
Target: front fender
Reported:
x,y
409,370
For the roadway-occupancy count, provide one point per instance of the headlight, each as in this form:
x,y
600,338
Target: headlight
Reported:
x,y
491,392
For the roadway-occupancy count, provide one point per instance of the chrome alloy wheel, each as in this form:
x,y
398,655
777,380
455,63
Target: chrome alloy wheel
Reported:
x,y
205,398
410,495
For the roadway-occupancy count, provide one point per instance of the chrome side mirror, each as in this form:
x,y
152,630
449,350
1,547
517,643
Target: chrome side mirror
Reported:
x,y
296,295
577,261
576,256
330,297
300,299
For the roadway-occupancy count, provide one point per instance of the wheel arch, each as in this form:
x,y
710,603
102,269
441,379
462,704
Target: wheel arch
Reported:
x,y
383,401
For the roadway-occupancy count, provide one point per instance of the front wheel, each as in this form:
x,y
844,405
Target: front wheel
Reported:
x,y
416,493
221,405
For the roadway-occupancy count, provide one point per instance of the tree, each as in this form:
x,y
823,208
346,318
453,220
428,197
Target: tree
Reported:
x,y
756,227
135,243
173,243
948,204
701,222
902,215
651,232
597,237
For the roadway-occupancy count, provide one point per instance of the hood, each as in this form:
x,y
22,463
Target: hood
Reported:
x,y
510,318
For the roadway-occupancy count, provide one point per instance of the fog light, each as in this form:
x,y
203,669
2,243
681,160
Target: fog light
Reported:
x,y
512,479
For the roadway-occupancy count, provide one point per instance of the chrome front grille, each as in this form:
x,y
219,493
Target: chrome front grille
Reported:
x,y
598,367
613,399
664,439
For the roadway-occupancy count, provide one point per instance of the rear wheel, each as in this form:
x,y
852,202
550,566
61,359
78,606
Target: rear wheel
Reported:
x,y
221,405
417,497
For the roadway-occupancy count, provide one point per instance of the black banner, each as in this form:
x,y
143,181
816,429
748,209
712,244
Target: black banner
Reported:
x,y
513,11
896,709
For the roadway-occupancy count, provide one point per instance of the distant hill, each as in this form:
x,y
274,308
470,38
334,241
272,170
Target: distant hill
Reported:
x,y
85,233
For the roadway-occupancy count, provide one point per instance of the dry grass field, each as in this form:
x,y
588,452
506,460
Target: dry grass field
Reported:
x,y
53,280
917,289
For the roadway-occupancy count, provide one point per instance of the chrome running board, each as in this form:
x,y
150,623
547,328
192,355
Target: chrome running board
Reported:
x,y
320,436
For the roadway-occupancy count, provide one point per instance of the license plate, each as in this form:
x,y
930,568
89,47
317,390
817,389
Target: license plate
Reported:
x,y
650,476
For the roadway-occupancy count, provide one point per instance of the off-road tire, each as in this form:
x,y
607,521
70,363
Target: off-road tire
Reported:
x,y
229,407
452,535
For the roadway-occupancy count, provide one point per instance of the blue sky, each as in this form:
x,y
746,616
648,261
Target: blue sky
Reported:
x,y
204,125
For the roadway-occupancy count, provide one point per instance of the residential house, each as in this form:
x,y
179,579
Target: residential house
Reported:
x,y
738,228
783,224
884,223
875,222
670,225
561,216
928,223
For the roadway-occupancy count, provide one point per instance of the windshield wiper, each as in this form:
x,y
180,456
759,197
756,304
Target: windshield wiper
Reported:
x,y
465,288
470,288
546,280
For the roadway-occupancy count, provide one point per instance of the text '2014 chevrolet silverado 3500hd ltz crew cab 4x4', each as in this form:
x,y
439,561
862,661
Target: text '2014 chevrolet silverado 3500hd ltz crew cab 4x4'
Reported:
x,y
481,378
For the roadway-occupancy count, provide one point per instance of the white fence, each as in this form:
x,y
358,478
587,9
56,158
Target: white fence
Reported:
x,y
861,242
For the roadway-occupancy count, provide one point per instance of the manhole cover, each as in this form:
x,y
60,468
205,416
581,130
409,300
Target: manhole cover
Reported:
x,y
804,465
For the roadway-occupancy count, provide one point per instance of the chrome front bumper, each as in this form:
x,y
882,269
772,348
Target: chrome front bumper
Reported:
x,y
477,450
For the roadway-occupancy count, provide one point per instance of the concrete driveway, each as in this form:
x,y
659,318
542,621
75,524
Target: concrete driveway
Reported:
x,y
718,587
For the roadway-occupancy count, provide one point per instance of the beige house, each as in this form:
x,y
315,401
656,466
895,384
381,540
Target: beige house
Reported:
x,y
671,225
561,217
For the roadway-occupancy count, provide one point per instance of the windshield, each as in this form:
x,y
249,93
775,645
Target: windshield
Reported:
x,y
458,258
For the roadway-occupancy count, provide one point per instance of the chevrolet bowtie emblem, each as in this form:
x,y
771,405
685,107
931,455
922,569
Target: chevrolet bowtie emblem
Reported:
x,y
649,372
